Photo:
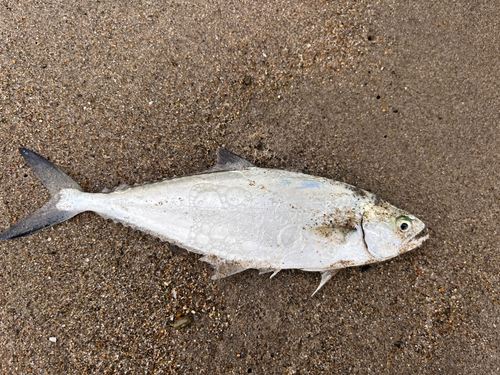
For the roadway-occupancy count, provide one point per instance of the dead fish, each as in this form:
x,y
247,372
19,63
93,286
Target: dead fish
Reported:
x,y
240,216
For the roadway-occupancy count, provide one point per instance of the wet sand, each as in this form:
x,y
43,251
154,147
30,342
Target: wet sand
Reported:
x,y
401,100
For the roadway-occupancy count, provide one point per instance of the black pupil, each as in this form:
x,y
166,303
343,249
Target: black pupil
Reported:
x,y
404,226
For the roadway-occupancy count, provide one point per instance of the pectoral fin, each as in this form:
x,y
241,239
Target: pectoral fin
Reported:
x,y
325,276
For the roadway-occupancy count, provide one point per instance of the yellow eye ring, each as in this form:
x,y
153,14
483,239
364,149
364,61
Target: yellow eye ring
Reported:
x,y
404,223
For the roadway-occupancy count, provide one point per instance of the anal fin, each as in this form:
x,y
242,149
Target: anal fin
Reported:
x,y
274,273
223,268
267,270
325,277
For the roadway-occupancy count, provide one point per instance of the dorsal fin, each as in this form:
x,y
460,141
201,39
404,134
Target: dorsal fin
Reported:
x,y
227,161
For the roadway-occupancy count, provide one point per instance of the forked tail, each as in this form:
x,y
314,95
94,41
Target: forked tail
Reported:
x,y
54,180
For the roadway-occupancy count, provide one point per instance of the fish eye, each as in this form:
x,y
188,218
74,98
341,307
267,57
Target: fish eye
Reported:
x,y
403,223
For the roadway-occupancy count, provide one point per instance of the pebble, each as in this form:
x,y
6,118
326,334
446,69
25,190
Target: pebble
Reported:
x,y
182,322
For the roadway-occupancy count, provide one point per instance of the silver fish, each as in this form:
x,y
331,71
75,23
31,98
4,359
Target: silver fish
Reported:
x,y
240,216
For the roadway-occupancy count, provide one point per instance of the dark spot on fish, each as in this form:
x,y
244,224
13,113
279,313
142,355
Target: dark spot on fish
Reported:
x,y
358,193
378,96
377,201
328,231
341,220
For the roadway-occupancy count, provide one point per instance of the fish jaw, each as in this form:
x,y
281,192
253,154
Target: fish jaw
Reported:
x,y
413,243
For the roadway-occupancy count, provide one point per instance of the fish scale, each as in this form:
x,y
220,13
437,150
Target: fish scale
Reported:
x,y
239,216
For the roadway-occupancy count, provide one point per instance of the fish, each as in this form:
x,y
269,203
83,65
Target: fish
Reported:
x,y
239,216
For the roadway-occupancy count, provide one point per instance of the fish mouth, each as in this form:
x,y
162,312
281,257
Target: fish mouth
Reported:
x,y
413,243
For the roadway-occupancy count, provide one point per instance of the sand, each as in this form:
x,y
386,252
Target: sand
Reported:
x,y
399,99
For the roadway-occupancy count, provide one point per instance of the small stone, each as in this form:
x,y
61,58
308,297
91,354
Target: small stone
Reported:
x,y
182,322
52,339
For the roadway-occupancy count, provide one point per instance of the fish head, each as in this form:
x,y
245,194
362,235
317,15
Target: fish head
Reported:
x,y
389,231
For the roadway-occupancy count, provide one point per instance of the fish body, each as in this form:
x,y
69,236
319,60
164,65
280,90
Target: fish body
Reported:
x,y
239,216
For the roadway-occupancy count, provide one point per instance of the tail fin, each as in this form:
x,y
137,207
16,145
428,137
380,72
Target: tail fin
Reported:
x,y
54,180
